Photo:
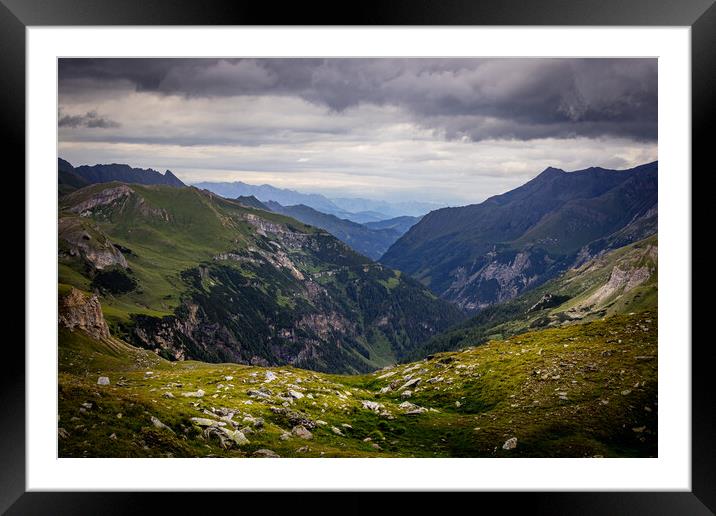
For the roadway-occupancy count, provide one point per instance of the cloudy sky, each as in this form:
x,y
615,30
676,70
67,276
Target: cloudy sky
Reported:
x,y
447,130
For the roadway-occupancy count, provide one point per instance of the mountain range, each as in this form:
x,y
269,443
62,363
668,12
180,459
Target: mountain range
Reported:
x,y
354,209
478,255
192,275
370,239
71,178
193,325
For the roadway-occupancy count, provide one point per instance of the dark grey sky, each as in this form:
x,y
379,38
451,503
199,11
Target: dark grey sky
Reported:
x,y
450,130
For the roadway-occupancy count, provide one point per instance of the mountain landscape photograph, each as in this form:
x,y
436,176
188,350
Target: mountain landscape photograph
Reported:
x,y
357,257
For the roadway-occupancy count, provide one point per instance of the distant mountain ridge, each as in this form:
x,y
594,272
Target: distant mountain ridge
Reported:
x,y
265,193
487,253
92,174
370,242
390,209
358,210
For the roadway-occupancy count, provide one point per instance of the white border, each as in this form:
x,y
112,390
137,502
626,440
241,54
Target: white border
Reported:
x,y
671,471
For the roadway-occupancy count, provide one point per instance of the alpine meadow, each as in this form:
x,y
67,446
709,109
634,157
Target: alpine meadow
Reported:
x,y
357,257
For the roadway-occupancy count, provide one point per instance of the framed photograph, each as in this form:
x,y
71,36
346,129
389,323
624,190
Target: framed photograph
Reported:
x,y
412,250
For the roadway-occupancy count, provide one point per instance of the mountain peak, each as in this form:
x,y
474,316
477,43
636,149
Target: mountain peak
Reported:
x,y
172,180
551,171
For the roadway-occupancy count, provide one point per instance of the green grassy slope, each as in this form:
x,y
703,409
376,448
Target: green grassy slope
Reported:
x,y
621,281
190,274
580,391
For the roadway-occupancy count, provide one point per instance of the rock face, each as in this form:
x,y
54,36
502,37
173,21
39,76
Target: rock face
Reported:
x,y
102,198
78,239
76,310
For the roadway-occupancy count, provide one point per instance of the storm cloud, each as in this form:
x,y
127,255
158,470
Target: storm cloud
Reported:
x,y
90,119
479,125
474,98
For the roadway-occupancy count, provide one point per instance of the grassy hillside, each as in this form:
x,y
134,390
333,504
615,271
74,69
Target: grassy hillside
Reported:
x,y
620,281
189,274
580,391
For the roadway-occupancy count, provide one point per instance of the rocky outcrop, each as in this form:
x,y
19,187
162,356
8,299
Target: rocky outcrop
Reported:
x,y
80,311
494,278
102,198
78,240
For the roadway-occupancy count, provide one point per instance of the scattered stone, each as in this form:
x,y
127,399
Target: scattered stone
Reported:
x,y
285,436
87,406
196,394
510,444
113,436
62,433
411,408
270,377
302,432
261,393
458,404
336,430
295,394
168,395
159,424
202,421
406,394
639,429
102,380
321,422
294,418
372,405
410,383
264,453
236,436
346,425
626,392
228,378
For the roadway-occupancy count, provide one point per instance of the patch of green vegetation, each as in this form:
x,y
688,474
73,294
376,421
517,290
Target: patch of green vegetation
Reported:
x,y
578,391
583,294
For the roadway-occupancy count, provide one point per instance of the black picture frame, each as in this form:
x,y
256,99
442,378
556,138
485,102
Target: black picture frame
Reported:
x,y
16,15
